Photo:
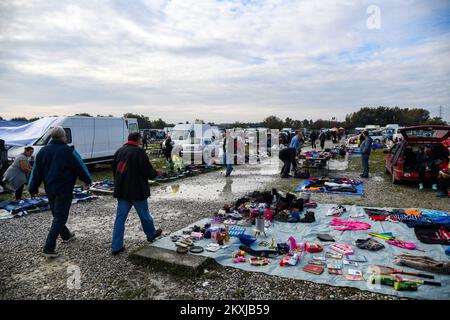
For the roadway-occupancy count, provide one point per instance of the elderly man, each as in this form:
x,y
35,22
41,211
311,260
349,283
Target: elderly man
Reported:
x,y
366,148
132,170
297,140
58,166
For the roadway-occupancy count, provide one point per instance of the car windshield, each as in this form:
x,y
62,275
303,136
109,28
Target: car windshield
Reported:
x,y
179,134
426,133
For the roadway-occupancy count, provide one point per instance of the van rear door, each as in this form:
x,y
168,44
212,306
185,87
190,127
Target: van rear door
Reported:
x,y
82,131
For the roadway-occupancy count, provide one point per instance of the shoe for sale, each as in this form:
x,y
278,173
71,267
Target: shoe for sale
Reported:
x,y
71,238
420,186
336,211
50,253
156,235
294,217
434,187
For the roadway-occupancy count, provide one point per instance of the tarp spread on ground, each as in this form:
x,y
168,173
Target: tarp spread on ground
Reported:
x,y
307,232
335,185
13,209
28,133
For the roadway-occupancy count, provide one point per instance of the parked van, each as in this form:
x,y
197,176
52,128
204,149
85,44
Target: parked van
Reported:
x,y
196,139
96,139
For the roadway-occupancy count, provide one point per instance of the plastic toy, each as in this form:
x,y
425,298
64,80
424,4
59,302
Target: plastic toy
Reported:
x,y
341,248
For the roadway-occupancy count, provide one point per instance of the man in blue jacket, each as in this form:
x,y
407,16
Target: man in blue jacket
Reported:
x,y
366,148
58,166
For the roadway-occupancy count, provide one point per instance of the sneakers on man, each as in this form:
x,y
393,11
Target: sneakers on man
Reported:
x,y
156,235
116,252
434,187
50,253
420,186
71,238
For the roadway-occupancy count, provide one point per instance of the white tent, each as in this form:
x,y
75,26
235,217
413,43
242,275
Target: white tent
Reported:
x,y
28,133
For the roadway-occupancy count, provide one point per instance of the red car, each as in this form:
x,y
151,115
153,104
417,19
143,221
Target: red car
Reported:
x,y
401,161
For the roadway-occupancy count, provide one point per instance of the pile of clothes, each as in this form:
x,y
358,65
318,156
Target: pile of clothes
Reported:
x,y
12,209
336,184
430,226
270,205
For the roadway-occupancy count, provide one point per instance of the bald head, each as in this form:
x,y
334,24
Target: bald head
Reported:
x,y
59,134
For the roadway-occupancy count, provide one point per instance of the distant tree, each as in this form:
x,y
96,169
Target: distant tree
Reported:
x,y
83,114
436,121
143,121
158,124
33,119
19,119
273,122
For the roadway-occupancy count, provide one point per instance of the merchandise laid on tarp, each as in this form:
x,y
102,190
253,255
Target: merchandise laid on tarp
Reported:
x,y
337,185
13,209
354,151
104,186
315,159
284,235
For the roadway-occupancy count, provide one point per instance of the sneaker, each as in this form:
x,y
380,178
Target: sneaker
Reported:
x,y
114,253
420,186
71,238
50,253
156,235
434,187
336,211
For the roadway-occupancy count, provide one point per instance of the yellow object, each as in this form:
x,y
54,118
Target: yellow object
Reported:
x,y
414,212
227,233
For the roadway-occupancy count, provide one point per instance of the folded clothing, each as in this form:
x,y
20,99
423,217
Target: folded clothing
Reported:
x,y
423,263
433,234
349,225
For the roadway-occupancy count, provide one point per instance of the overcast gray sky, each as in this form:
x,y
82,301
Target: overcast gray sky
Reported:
x,y
222,61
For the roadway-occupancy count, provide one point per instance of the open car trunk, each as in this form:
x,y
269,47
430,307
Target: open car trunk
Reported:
x,y
426,134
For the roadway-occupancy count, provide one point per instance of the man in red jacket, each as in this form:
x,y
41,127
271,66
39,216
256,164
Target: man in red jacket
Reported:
x,y
132,170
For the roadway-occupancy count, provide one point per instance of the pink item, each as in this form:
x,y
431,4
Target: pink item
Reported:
x,y
349,225
342,248
269,214
403,244
293,245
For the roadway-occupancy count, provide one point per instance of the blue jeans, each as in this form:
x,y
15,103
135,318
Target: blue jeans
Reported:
x,y
229,165
123,208
60,206
365,164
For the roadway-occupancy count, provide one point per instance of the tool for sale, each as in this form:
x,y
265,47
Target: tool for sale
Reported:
x,y
431,283
393,282
384,270
385,236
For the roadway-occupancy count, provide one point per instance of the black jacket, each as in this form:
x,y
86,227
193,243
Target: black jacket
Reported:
x,y
132,170
288,154
58,166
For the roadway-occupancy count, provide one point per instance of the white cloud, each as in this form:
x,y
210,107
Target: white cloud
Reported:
x,y
220,60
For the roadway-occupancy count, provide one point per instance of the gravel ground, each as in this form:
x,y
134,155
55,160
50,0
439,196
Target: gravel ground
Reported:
x,y
24,274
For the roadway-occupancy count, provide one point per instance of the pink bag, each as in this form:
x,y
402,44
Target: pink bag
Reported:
x,y
402,244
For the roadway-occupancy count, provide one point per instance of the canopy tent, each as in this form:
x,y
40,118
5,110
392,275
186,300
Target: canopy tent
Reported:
x,y
26,134
5,123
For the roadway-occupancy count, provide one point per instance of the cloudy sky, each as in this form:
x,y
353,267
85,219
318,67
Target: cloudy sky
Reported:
x,y
222,60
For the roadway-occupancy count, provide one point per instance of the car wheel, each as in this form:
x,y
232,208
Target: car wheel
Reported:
x,y
377,141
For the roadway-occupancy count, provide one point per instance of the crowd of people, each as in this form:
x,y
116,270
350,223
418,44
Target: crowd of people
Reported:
x,y
58,166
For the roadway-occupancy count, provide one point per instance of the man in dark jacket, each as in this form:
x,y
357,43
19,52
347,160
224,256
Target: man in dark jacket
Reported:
x,y
3,162
366,148
168,147
132,170
289,157
58,166
313,137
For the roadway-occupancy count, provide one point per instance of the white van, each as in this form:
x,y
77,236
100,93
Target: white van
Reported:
x,y
196,139
96,139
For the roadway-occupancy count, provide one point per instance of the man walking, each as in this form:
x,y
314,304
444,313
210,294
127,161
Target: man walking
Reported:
x,y
322,139
132,170
366,148
313,137
58,166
